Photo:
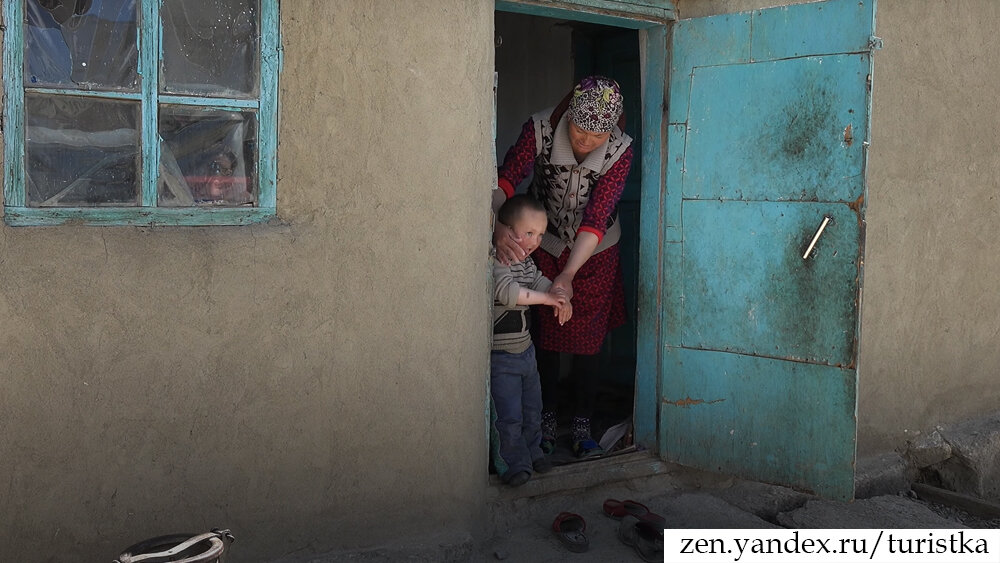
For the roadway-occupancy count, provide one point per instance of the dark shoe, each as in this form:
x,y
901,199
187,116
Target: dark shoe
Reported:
x,y
519,478
542,465
587,448
548,445
570,528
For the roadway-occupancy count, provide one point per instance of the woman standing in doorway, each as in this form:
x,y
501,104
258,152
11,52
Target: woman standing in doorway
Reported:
x,y
580,158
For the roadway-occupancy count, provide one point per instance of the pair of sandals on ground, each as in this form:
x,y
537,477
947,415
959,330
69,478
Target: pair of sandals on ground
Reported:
x,y
640,529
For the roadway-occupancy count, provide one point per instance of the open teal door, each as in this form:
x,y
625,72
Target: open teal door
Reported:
x,y
763,243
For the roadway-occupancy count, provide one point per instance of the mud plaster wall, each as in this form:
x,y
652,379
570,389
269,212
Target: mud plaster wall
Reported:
x,y
314,384
929,322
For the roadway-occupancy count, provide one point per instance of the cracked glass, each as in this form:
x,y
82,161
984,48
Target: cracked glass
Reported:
x,y
81,44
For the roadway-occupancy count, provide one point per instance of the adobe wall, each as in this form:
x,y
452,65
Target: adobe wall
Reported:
x,y
313,384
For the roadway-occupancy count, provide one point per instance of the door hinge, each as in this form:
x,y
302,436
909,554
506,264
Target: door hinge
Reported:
x,y
874,43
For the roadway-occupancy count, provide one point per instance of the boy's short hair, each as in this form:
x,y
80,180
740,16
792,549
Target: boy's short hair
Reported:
x,y
511,209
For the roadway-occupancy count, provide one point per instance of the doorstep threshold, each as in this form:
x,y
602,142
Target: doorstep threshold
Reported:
x,y
586,474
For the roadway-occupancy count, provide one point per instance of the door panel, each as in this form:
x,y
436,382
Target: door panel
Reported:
x,y
800,30
779,305
702,43
776,421
780,130
759,344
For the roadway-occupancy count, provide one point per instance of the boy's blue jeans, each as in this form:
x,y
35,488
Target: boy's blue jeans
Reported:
x,y
517,398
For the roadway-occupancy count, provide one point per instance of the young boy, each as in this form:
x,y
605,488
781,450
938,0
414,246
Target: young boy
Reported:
x,y
514,381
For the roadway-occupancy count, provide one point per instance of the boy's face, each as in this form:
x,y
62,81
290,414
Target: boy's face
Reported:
x,y
529,228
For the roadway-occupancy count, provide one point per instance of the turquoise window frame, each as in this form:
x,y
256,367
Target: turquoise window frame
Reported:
x,y
16,213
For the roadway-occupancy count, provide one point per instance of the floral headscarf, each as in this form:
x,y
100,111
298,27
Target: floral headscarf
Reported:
x,y
596,104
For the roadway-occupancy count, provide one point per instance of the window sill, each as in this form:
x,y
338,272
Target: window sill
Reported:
x,y
135,216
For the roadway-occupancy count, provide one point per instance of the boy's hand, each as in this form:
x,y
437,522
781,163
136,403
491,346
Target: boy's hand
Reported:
x,y
564,312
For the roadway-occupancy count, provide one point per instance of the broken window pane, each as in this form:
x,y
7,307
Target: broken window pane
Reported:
x,y
84,44
207,157
81,151
210,47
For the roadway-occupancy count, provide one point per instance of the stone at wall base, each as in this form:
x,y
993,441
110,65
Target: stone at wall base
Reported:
x,y
927,450
974,466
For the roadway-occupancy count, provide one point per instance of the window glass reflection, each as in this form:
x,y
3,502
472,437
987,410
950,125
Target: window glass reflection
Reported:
x,y
81,151
210,47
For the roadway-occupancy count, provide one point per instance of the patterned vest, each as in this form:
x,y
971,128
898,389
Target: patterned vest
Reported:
x,y
563,185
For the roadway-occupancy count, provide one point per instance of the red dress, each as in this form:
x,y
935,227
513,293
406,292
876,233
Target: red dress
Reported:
x,y
598,293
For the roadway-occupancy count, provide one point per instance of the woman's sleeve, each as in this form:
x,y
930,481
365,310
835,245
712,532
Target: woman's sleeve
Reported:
x,y
519,161
605,196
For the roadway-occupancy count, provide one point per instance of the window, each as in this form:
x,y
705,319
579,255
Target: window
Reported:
x,y
140,112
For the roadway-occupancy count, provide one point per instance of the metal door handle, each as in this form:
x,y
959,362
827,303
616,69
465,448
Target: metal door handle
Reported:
x,y
819,232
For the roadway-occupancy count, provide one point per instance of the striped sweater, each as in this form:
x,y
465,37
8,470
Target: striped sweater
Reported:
x,y
507,284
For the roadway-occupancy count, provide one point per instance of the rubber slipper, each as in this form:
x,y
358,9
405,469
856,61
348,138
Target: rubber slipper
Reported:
x,y
618,509
570,529
587,448
643,536
654,519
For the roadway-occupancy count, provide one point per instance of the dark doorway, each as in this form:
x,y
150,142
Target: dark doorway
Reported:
x,y
538,60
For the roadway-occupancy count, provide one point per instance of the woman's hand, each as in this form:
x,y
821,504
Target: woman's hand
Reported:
x,y
509,250
564,284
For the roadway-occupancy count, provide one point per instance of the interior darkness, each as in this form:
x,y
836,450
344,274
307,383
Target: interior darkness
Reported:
x,y
537,61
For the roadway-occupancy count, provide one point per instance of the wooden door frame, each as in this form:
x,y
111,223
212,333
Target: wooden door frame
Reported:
x,y
651,23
